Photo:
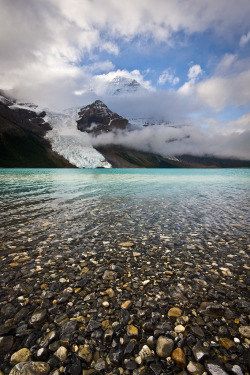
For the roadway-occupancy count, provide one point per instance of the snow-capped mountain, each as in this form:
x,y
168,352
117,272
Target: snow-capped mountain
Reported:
x,y
106,85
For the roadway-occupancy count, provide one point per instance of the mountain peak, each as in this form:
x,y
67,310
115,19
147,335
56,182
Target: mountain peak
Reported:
x,y
97,118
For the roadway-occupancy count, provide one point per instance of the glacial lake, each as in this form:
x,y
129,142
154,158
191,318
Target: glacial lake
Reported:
x,y
62,207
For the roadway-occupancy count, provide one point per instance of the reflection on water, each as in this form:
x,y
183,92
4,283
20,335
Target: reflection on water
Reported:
x,y
60,206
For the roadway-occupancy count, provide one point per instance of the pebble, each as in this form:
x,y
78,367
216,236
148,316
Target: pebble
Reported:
x,y
164,346
179,328
214,369
85,353
132,330
61,353
30,368
195,368
21,356
179,358
174,312
245,331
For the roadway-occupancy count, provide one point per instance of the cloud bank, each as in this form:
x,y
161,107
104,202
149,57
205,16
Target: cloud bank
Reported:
x,y
175,141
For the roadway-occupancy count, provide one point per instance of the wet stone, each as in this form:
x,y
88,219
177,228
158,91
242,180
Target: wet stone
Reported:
x,y
156,368
195,368
30,368
85,353
93,325
124,317
226,343
129,348
100,365
132,330
8,311
179,358
197,331
164,346
21,356
174,312
67,330
109,275
6,343
61,353
214,369
245,331
48,339
38,316
200,353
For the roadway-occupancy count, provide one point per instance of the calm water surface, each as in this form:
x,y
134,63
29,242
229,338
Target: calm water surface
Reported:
x,y
56,207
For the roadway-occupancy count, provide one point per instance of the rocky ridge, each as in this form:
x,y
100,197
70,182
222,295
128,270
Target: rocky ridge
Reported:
x,y
97,118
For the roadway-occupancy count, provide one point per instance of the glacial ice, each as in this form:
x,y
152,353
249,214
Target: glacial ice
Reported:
x,y
70,142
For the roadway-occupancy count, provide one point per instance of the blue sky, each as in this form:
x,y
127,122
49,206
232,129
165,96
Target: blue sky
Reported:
x,y
193,56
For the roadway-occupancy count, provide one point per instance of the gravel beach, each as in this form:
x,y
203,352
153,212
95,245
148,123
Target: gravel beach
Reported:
x,y
145,305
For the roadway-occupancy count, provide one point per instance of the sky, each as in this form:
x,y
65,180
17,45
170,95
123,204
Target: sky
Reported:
x,y
191,56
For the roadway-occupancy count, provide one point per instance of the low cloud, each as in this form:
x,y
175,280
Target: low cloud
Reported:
x,y
174,141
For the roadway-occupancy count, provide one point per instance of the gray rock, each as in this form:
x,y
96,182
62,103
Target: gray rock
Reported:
x,y
48,339
93,325
38,316
214,369
200,353
164,346
109,275
100,365
237,370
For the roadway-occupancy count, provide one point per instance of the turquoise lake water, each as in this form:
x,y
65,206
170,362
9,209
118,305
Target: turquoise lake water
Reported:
x,y
48,207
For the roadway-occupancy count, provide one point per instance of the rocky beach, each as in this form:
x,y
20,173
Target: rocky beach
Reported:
x,y
140,289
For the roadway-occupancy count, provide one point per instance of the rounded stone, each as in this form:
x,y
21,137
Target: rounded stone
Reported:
x,y
174,312
245,331
30,368
195,368
21,355
164,346
178,356
180,328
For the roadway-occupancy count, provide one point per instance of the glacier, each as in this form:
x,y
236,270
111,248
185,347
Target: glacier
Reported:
x,y
70,142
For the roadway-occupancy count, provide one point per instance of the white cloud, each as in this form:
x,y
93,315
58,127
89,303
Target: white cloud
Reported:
x,y
226,63
194,72
168,140
167,76
245,39
219,92
188,87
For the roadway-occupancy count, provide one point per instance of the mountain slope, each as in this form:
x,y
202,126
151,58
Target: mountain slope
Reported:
x,y
21,140
121,157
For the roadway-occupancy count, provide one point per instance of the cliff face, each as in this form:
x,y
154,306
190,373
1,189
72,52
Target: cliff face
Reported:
x,y
97,118
21,140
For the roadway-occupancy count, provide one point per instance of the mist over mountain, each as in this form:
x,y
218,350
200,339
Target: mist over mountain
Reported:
x,y
93,136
